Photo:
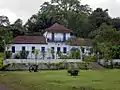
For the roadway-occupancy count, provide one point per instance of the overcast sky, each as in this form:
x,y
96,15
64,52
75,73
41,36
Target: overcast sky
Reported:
x,y
25,8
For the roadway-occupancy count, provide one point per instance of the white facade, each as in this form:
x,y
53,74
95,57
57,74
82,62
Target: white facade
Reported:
x,y
53,40
48,47
57,36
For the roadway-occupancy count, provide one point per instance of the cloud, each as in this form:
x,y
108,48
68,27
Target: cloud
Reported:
x,y
111,5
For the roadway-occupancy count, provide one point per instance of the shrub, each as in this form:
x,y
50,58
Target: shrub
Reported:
x,y
83,65
24,54
73,69
75,53
1,63
90,58
8,54
17,56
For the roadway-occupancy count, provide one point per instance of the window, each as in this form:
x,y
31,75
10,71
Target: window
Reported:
x,y
83,50
52,48
64,37
53,37
64,50
33,48
13,49
23,48
42,49
58,49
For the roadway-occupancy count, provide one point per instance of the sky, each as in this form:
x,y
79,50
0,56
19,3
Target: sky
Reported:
x,y
24,9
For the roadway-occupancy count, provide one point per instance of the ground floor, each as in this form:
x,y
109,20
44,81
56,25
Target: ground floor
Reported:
x,y
47,51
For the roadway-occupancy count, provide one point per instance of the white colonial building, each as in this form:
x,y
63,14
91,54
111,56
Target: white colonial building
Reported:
x,y
54,38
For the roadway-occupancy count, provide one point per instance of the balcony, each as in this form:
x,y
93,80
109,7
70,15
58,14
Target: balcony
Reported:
x,y
56,40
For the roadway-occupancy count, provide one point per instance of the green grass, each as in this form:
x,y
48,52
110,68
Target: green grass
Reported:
x,y
60,80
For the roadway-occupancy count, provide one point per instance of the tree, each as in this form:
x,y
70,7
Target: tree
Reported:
x,y
98,17
5,33
5,37
106,41
17,28
69,13
116,23
75,53
4,21
37,24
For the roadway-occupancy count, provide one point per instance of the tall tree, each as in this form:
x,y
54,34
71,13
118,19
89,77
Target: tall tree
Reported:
x,y
17,28
98,17
116,23
106,41
69,13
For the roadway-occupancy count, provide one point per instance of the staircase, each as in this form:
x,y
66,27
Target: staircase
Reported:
x,y
96,66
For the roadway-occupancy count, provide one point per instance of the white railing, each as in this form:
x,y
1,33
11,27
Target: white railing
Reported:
x,y
40,60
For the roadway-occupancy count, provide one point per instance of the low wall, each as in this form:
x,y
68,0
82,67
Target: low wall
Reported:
x,y
102,61
24,64
39,60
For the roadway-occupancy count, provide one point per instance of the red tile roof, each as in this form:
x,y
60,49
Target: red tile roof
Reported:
x,y
81,42
29,40
57,28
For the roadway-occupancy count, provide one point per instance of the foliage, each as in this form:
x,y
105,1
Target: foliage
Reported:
x,y
17,56
17,28
98,17
1,62
106,41
8,54
4,21
5,38
36,52
66,12
116,23
24,54
53,54
90,58
75,53
43,54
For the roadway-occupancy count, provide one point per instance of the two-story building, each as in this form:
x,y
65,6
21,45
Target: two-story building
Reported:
x,y
54,38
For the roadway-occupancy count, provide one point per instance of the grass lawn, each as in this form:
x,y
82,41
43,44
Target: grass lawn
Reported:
x,y
60,80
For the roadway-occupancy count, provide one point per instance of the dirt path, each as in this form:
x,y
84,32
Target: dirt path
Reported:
x,y
3,87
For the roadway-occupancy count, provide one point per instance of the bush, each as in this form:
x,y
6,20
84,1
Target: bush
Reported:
x,y
83,65
17,56
73,69
73,72
90,58
8,54
24,54
3,68
1,63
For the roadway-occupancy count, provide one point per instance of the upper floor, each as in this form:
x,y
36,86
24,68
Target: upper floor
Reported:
x,y
57,33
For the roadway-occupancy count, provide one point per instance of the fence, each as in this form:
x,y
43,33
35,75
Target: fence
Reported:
x,y
40,60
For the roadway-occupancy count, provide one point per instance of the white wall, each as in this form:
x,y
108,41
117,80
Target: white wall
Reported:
x,y
28,47
58,36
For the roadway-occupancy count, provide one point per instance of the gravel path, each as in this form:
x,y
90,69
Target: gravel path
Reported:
x,y
3,87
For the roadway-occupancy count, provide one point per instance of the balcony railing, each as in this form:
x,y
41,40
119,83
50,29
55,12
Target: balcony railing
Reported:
x,y
49,40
